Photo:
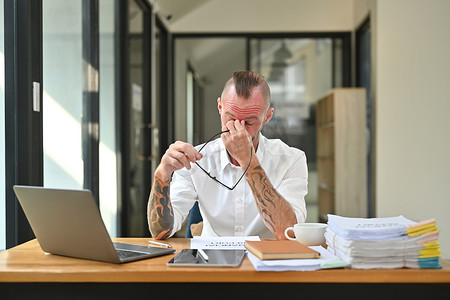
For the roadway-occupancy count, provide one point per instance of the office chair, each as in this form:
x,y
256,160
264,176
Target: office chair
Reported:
x,y
194,218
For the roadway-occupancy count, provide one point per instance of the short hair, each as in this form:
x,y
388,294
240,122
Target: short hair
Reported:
x,y
245,81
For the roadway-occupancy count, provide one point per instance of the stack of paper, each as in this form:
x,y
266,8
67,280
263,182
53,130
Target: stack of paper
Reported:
x,y
397,242
327,260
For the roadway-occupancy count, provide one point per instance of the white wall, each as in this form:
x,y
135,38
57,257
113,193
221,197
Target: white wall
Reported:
x,y
412,111
267,15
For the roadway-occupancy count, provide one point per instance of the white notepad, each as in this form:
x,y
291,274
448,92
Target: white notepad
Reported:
x,y
230,242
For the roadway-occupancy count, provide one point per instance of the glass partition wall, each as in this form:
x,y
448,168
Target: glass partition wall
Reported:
x,y
92,67
136,223
62,96
107,146
299,70
63,137
137,129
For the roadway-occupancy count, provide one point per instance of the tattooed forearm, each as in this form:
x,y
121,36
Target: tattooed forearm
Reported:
x,y
160,213
276,212
267,217
264,194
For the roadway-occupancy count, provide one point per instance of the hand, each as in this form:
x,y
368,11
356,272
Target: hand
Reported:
x,y
179,155
238,141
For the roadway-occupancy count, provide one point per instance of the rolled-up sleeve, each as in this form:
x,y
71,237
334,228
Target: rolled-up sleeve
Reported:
x,y
294,186
182,196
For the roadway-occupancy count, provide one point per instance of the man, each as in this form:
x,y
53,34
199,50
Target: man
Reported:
x,y
270,199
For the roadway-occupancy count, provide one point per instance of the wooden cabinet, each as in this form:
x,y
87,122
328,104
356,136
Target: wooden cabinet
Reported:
x,y
341,153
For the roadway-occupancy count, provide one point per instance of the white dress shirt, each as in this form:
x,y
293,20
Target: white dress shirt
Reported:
x,y
234,213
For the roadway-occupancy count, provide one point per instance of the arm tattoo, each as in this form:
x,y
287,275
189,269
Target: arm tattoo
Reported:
x,y
161,213
264,193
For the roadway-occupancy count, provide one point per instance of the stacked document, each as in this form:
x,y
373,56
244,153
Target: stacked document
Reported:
x,y
327,260
374,243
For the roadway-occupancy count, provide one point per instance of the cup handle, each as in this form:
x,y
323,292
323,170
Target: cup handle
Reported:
x,y
286,233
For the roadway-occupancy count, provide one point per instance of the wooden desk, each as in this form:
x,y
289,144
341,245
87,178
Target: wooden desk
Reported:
x,y
26,269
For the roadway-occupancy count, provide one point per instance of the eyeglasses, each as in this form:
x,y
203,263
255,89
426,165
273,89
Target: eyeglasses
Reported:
x,y
213,177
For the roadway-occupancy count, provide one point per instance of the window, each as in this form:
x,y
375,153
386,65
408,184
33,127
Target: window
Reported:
x,y
299,71
53,148
64,160
107,147
62,98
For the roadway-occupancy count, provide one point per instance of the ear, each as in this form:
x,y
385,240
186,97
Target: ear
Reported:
x,y
219,104
269,115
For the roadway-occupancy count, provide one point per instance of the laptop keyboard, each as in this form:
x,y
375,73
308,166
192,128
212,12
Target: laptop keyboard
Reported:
x,y
125,254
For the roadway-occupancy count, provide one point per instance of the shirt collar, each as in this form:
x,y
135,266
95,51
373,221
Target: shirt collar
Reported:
x,y
225,160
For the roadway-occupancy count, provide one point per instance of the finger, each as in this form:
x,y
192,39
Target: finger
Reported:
x,y
175,158
240,125
231,127
224,130
188,150
192,155
181,155
172,163
183,159
240,128
225,134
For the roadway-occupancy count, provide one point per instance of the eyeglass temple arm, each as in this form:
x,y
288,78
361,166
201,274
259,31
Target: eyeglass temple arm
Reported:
x,y
214,136
222,184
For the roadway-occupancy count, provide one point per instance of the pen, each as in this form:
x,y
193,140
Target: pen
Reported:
x,y
203,254
160,244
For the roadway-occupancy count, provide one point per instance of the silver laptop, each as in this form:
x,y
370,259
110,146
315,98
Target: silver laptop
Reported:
x,y
68,222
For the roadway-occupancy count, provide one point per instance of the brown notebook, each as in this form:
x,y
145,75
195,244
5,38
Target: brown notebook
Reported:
x,y
280,250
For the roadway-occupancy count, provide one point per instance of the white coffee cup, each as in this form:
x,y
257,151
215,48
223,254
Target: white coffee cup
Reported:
x,y
309,234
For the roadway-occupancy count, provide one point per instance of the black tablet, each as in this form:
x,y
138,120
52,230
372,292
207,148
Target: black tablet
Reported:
x,y
207,258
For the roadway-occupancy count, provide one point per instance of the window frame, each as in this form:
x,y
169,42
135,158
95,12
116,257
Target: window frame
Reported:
x,y
23,123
